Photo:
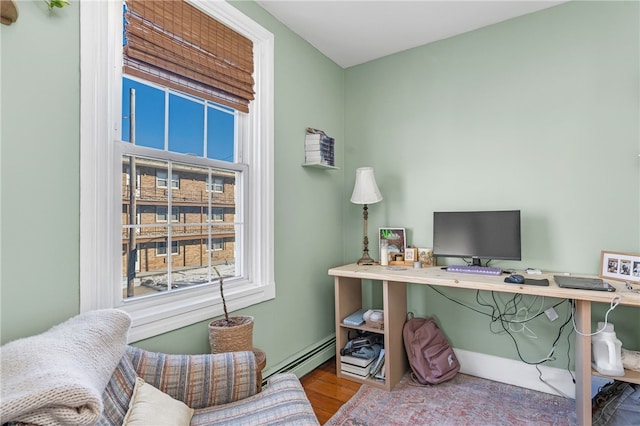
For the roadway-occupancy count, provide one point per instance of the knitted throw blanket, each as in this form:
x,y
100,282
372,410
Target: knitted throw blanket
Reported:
x,y
57,377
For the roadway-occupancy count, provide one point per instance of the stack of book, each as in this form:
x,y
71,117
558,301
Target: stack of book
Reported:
x,y
354,366
318,148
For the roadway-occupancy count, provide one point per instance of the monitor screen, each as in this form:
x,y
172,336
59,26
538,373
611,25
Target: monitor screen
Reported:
x,y
477,235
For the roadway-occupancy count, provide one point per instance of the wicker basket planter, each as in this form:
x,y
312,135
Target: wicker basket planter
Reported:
x,y
231,336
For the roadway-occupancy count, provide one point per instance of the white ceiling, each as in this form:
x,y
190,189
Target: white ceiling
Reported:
x,y
353,32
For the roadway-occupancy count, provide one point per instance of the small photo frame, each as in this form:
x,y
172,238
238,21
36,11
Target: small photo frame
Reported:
x,y
620,266
425,256
395,238
411,254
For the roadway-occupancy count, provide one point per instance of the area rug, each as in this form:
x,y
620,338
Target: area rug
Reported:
x,y
464,400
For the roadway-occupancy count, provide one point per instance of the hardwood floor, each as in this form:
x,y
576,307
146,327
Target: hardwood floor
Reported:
x,y
326,391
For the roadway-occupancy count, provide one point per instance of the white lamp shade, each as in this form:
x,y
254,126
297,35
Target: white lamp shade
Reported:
x,y
365,191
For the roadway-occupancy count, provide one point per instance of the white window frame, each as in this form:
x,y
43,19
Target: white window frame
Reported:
x,y
213,185
212,216
215,246
100,179
175,180
175,214
175,248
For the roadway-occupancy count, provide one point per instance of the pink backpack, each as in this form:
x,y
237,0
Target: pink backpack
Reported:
x,y
431,357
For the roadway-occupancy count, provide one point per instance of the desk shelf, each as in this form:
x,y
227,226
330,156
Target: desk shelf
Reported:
x,y
348,299
629,376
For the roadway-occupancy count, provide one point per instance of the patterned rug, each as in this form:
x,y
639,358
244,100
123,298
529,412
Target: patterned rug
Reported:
x,y
464,400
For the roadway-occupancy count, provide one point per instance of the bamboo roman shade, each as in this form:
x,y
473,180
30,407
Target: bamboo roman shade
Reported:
x,y
175,44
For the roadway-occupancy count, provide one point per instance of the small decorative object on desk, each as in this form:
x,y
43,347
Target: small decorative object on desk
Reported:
x,y
620,266
411,254
319,148
384,252
425,256
395,238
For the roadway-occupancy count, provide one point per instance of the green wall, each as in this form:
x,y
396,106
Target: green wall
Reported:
x,y
40,186
539,113
40,91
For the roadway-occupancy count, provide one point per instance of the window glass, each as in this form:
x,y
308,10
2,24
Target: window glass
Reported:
x,y
199,217
161,179
149,120
186,125
220,134
215,184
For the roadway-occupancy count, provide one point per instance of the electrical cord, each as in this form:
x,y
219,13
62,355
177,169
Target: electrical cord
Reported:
x,y
549,357
615,301
569,315
480,302
496,315
573,379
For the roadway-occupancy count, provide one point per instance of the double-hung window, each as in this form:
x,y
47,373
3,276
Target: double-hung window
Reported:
x,y
203,168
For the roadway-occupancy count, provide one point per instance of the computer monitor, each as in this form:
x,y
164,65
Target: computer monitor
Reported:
x,y
477,235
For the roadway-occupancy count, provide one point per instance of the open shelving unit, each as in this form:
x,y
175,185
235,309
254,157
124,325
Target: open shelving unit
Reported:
x,y
348,297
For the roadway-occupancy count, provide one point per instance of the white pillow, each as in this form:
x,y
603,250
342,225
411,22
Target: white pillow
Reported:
x,y
151,406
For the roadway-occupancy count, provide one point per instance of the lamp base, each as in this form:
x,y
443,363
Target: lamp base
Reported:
x,y
366,260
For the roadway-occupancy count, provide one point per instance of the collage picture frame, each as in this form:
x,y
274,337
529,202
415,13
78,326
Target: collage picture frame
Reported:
x,y
620,266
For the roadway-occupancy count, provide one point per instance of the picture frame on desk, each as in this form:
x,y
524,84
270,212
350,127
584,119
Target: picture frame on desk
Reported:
x,y
620,266
396,239
425,256
411,254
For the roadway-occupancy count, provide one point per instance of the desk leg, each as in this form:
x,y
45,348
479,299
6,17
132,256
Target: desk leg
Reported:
x,y
583,362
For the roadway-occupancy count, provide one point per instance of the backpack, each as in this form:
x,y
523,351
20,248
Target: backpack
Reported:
x,y
431,357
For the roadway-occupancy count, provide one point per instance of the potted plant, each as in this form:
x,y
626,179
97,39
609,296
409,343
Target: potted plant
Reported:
x,y
230,334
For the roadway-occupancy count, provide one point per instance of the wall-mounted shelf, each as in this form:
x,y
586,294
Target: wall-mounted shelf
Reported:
x,y
319,150
319,166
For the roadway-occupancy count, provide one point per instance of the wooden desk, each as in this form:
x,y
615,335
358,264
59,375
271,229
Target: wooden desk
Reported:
x,y
348,296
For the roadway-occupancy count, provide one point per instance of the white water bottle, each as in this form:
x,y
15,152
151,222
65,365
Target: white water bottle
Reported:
x,y
606,351
384,252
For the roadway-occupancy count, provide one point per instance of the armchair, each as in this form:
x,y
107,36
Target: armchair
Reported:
x,y
82,372
221,388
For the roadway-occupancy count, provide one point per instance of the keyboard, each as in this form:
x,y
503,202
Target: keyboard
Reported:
x,y
472,269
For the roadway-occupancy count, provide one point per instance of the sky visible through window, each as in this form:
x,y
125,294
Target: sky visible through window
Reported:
x,y
195,126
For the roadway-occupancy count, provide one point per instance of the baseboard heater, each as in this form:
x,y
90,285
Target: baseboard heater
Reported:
x,y
305,360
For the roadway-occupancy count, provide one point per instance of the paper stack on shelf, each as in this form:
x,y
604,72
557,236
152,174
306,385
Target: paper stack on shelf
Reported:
x,y
377,369
318,148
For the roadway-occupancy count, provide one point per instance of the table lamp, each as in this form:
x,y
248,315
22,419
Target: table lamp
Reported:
x,y
365,191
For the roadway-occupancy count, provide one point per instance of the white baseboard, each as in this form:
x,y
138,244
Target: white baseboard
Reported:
x,y
516,373
305,360
504,370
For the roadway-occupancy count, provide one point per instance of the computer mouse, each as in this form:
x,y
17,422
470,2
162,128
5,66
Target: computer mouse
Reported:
x,y
514,279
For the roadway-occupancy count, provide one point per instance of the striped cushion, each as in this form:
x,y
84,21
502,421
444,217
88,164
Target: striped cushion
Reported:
x,y
117,394
198,380
282,402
